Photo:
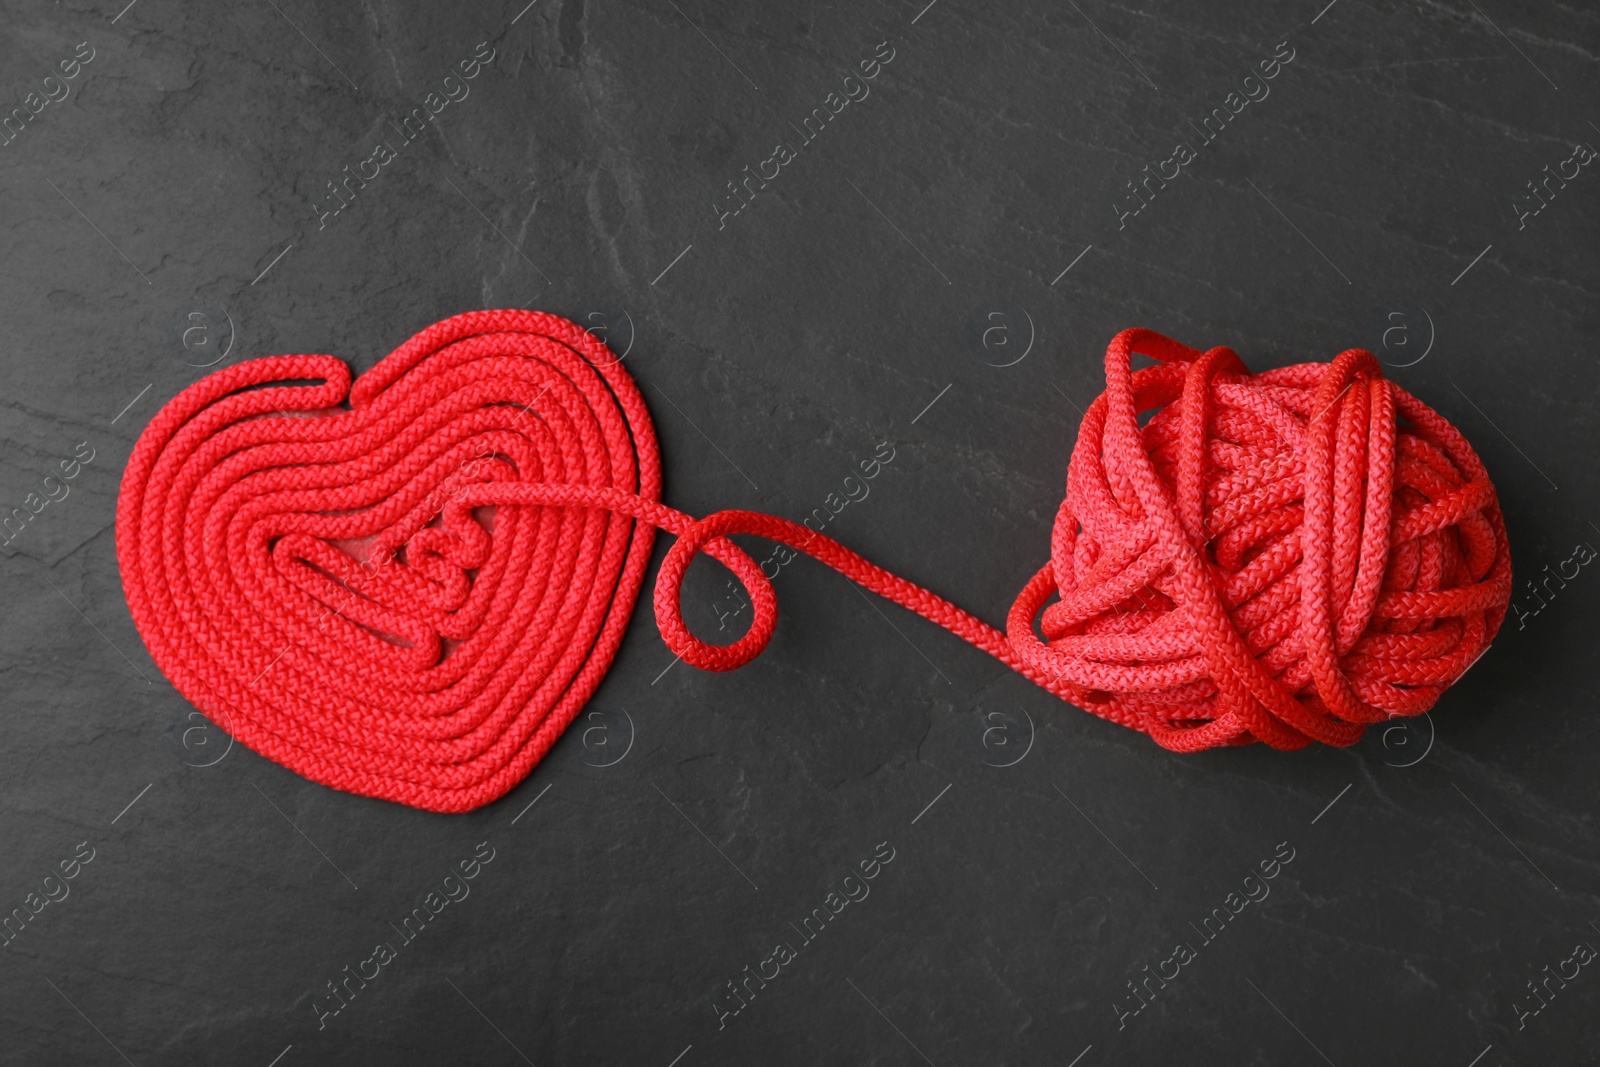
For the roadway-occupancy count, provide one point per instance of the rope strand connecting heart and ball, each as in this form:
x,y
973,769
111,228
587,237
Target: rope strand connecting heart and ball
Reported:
x,y
410,597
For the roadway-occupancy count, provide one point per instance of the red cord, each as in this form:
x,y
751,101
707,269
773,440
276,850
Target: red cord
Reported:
x,y
412,597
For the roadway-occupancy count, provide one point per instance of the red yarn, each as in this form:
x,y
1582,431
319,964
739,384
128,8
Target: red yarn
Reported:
x,y
1272,557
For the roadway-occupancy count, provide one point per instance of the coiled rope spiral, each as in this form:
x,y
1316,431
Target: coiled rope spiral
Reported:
x,y
412,596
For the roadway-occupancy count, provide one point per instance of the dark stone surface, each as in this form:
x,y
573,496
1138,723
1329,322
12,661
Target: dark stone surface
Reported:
x,y
180,175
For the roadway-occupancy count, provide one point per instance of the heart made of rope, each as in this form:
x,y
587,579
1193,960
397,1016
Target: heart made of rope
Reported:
x,y
410,597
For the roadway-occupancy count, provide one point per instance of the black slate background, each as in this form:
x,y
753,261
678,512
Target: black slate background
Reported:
x,y
1457,858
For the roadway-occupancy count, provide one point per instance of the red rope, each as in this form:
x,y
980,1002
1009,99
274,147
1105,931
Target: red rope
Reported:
x,y
412,597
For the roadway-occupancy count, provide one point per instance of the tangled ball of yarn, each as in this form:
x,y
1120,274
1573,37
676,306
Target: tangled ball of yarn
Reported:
x,y
412,596
1283,557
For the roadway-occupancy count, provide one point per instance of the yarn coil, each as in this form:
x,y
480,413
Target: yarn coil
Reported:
x,y
411,596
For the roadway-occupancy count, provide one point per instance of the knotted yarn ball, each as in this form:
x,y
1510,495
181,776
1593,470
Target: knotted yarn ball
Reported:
x,y
408,585
1283,557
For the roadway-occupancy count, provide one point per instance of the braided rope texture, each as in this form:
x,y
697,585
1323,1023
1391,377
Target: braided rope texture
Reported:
x,y
410,595
1283,557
